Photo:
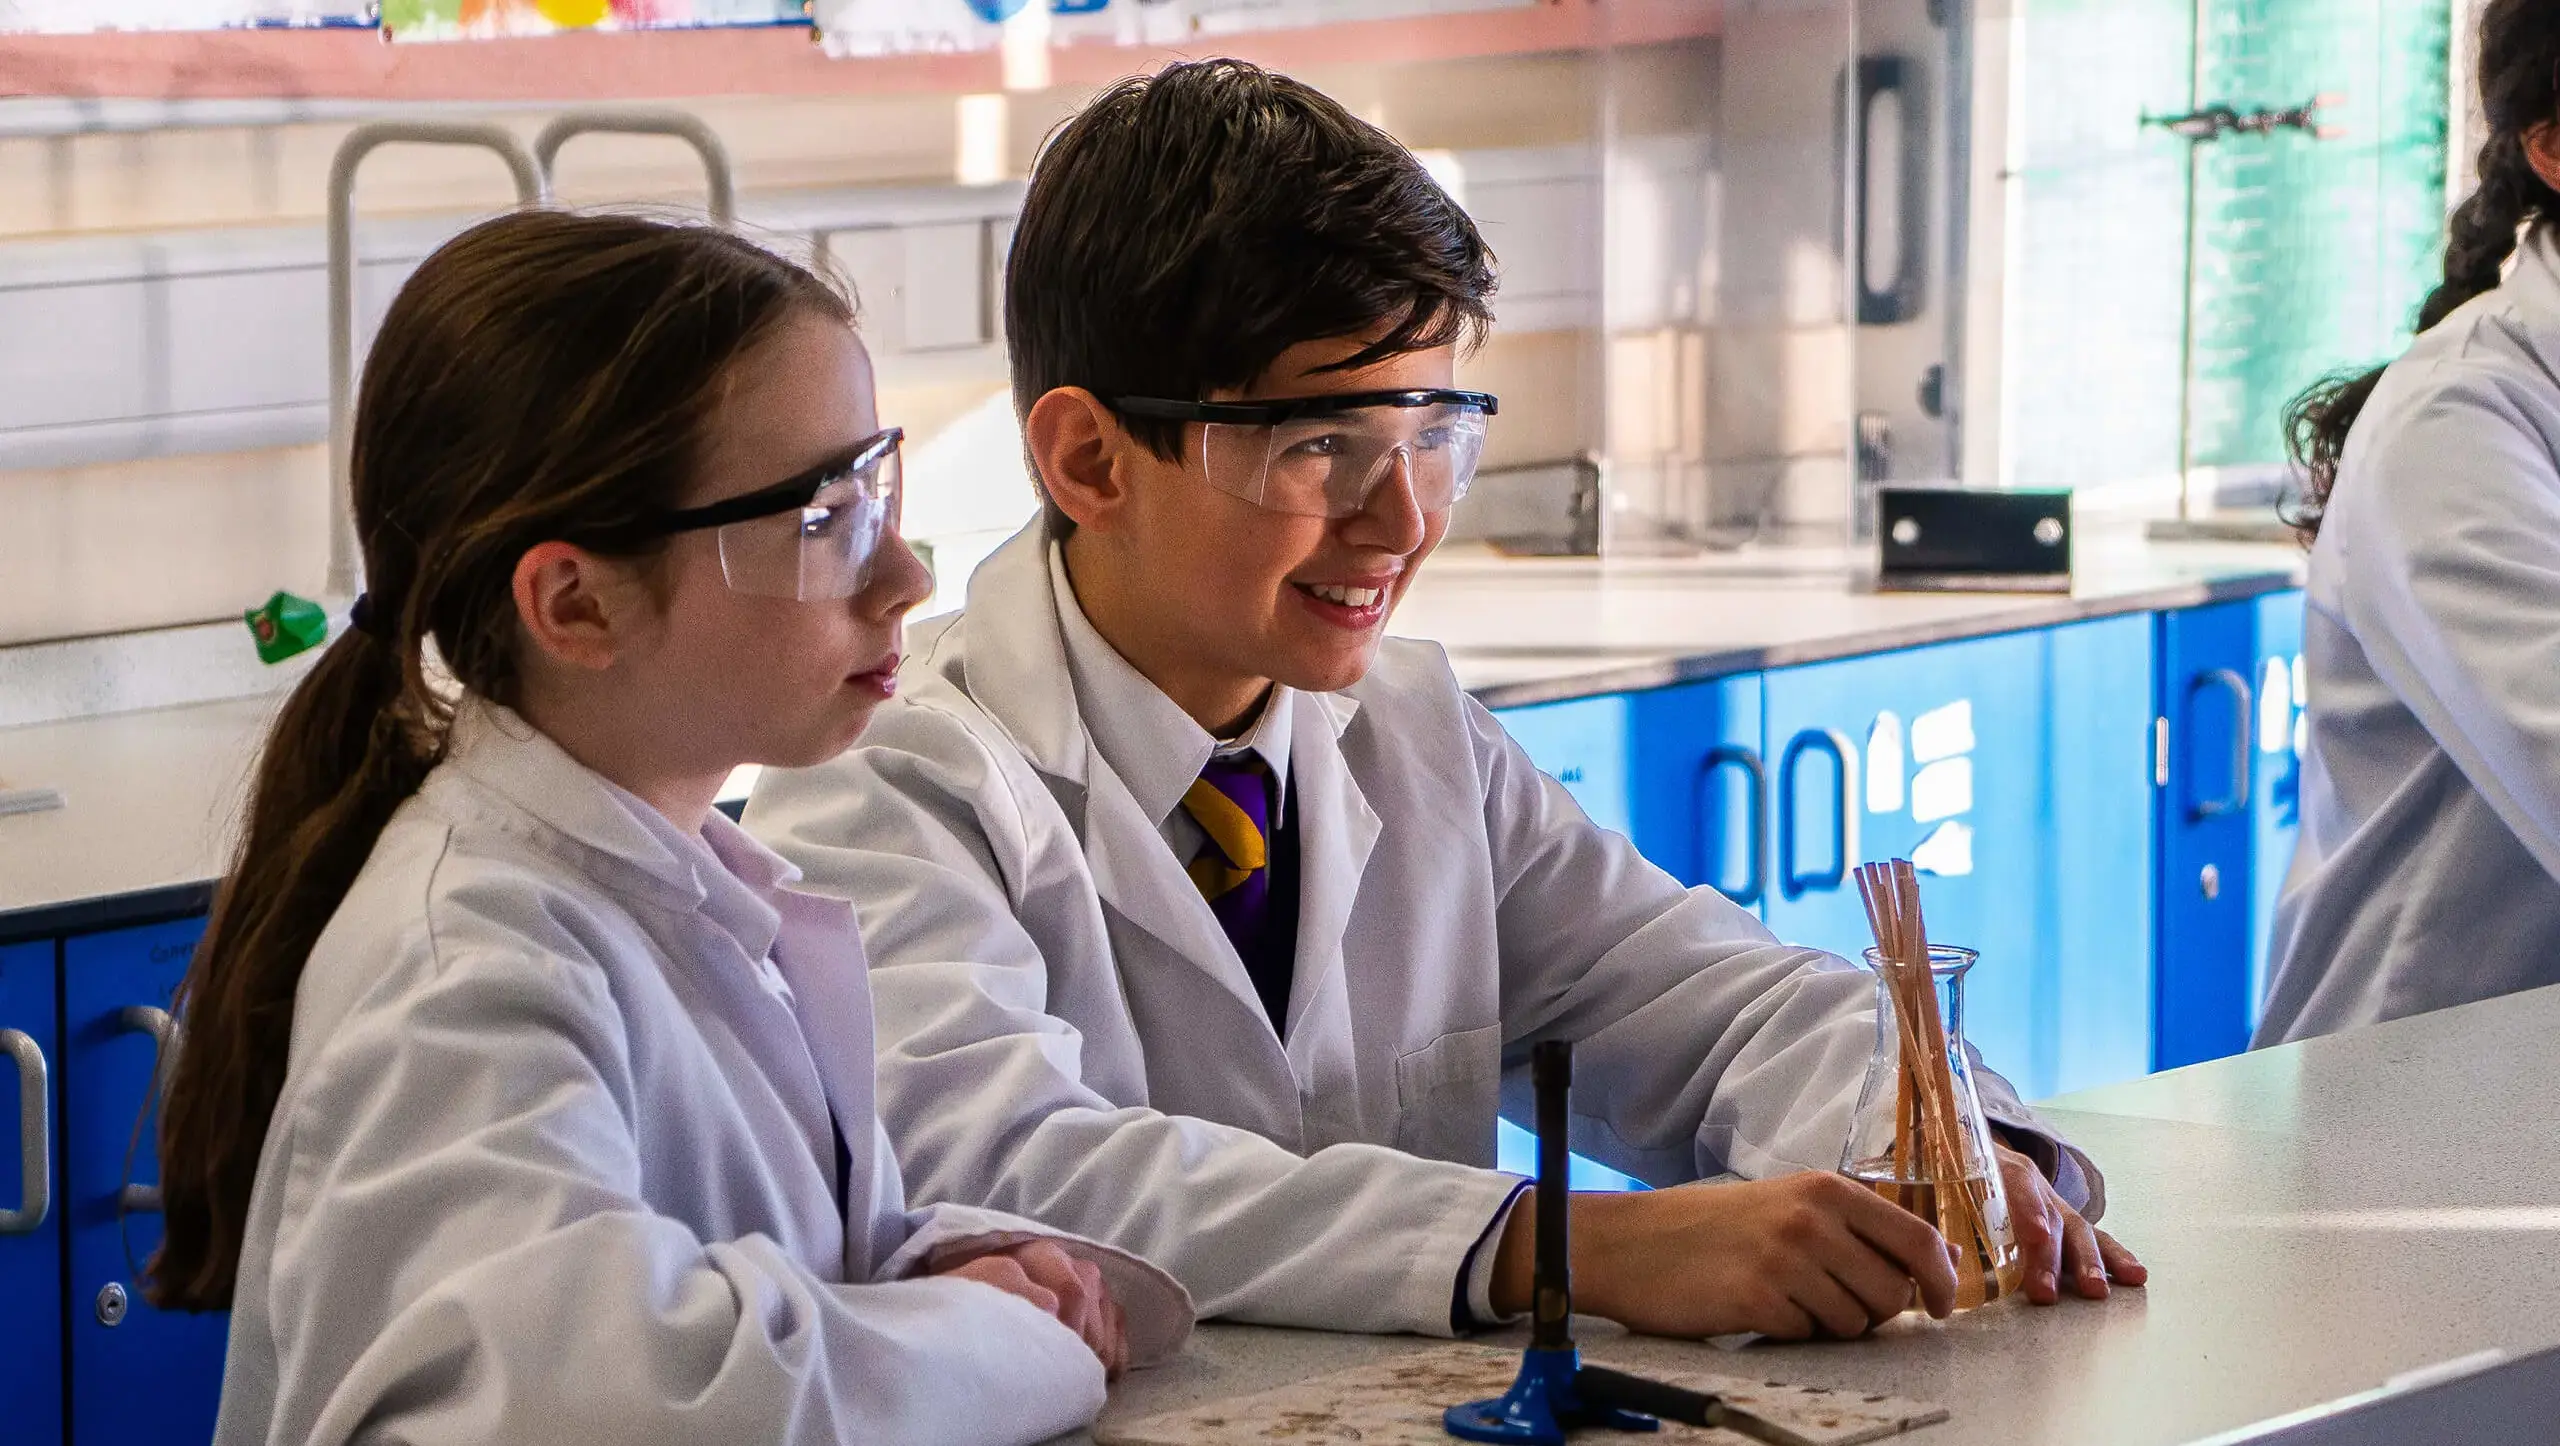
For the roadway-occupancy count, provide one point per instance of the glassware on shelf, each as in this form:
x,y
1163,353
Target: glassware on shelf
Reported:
x,y
1919,1137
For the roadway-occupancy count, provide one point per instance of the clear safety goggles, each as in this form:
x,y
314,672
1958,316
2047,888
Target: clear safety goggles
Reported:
x,y
1324,456
813,537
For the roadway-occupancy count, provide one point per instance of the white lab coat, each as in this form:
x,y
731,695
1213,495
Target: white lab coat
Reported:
x,y
1033,935
553,1159
2428,868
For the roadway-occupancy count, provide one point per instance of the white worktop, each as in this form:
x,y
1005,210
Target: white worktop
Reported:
x,y
151,793
2318,1218
1535,630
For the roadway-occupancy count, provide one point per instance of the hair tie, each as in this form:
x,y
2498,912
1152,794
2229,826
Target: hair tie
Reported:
x,y
361,617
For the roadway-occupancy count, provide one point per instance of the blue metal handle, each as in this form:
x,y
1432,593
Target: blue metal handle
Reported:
x,y
1756,776
163,1029
1844,833
2244,713
35,1136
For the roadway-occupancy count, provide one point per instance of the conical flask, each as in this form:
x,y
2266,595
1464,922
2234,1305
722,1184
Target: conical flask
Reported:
x,y
1919,1137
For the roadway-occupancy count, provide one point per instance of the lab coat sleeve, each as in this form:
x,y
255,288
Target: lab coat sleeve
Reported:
x,y
1703,1045
2448,531
465,1255
983,1087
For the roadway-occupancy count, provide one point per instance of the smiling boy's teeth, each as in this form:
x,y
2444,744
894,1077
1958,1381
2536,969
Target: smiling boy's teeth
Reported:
x,y
1350,597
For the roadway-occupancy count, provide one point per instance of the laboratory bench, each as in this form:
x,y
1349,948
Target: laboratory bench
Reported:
x,y
2099,784
2319,1218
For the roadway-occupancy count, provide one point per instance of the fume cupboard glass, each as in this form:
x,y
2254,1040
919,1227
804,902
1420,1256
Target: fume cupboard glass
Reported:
x,y
1783,252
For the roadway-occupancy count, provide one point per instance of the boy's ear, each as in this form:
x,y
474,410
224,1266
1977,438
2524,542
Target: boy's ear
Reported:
x,y
1076,442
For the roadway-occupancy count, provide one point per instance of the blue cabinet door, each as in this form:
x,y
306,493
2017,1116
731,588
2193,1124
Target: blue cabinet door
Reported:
x,y
137,1374
2012,771
30,1192
2226,815
1679,770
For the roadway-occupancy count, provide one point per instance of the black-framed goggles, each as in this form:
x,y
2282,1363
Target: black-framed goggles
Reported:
x,y
814,536
1323,456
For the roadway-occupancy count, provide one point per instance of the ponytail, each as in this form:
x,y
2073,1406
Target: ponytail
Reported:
x,y
2519,90
543,376
345,752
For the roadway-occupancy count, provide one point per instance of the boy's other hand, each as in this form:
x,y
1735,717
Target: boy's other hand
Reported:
x,y
1798,1256
1043,1273
2054,1243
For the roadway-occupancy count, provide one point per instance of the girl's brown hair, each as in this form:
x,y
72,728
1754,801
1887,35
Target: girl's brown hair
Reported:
x,y
2519,90
544,376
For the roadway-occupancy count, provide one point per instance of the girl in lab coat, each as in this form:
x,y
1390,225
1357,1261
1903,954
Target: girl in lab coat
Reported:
x,y
2428,871
522,1096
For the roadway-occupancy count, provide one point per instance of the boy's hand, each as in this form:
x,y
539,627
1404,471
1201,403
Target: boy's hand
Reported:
x,y
1797,1256
2054,1242
1043,1273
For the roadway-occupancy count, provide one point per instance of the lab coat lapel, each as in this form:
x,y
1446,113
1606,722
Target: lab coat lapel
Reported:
x,y
1337,831
1016,670
1139,878
819,952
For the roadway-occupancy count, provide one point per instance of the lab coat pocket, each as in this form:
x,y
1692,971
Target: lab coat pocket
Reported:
x,y
1447,1095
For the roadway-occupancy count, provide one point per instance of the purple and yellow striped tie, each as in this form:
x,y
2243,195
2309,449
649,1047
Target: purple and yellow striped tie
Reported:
x,y
1231,802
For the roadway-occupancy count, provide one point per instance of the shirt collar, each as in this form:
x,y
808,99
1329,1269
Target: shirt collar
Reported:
x,y
722,871
1155,747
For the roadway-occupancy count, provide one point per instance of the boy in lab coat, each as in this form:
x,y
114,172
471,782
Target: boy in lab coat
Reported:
x,y
1206,920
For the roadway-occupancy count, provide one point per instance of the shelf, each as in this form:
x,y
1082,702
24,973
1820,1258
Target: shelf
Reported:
x,y
636,65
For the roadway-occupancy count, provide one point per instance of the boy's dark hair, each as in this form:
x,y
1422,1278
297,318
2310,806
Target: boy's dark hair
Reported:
x,y
1186,228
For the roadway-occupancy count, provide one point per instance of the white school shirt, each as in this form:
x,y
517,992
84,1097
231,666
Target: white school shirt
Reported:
x,y
1156,747
553,1159
2427,871
1031,932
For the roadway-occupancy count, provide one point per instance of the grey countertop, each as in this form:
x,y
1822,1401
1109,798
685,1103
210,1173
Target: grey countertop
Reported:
x,y
2318,1218
151,794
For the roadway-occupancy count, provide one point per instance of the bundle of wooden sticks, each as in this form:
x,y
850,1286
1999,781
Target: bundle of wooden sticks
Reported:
x,y
1935,1175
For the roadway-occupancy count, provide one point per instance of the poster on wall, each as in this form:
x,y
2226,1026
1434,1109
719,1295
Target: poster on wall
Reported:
x,y
74,17
492,19
897,27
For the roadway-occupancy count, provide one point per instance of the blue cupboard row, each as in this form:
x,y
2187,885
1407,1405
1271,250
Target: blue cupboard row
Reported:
x,y
83,1358
2104,809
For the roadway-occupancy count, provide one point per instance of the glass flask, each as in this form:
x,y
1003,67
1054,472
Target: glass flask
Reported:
x,y
1919,1137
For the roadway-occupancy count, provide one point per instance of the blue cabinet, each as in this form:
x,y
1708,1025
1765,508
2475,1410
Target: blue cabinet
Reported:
x,y
2013,771
30,1186
2228,770
1679,770
137,1373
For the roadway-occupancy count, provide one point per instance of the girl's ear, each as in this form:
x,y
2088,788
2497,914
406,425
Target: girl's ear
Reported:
x,y
574,605
2542,152
1077,443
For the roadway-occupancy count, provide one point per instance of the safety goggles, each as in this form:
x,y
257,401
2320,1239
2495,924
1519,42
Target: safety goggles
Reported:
x,y
813,537
1324,456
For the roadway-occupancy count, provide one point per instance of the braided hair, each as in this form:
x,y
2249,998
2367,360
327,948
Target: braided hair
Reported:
x,y
2519,91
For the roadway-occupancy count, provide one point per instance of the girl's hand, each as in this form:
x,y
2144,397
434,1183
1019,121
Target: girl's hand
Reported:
x,y
2055,1243
1043,1273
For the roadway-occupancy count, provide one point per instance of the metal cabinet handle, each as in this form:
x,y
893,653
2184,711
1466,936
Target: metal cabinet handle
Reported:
x,y
344,559
1756,776
716,169
1844,832
2244,713
143,1019
35,1135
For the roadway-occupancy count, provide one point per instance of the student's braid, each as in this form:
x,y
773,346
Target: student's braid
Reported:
x,y
2519,90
